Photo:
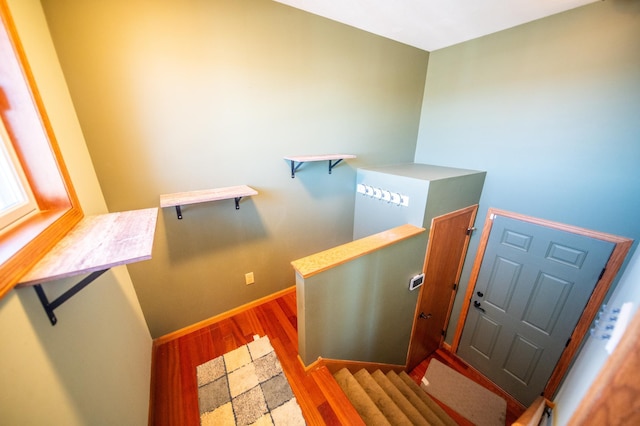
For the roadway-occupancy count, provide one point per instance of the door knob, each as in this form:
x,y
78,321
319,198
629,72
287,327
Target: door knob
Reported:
x,y
478,306
423,316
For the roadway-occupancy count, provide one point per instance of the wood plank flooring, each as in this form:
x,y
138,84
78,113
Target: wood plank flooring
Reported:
x,y
174,396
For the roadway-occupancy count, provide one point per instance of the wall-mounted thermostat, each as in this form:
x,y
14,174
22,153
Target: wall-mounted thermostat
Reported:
x,y
416,282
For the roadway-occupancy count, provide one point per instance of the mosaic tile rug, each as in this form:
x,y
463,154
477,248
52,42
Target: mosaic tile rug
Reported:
x,y
246,387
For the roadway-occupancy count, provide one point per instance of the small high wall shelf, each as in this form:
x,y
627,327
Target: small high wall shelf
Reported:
x,y
179,199
333,160
92,247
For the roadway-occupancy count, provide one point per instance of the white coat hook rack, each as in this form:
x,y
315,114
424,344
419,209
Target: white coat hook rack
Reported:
x,y
383,195
611,324
605,323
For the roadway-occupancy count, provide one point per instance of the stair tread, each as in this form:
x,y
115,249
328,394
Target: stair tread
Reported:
x,y
414,399
367,409
384,402
391,399
401,401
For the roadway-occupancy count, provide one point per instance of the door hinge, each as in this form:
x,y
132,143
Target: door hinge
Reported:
x,y
602,273
455,286
443,332
470,230
568,341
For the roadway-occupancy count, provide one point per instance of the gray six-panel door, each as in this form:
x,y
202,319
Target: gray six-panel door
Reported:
x,y
532,287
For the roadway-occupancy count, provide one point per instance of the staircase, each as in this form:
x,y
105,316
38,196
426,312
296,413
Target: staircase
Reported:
x,y
391,399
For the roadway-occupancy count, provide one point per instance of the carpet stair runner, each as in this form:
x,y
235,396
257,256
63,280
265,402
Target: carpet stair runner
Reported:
x,y
391,399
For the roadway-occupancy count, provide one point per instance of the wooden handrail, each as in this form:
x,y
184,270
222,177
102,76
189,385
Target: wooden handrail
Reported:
x,y
319,262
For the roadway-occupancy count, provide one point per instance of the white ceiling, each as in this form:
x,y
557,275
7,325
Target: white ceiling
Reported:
x,y
434,24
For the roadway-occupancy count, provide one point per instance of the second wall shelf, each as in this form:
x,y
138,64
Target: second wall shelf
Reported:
x,y
179,199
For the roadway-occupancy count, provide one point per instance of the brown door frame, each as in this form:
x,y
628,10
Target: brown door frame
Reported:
x,y
622,246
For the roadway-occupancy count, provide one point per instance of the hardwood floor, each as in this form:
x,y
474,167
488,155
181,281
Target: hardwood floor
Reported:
x,y
174,396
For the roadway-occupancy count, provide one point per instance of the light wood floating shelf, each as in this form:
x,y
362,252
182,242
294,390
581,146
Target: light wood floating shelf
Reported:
x,y
300,159
95,245
179,199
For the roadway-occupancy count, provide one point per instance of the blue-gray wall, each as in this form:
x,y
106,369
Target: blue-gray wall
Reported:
x,y
551,110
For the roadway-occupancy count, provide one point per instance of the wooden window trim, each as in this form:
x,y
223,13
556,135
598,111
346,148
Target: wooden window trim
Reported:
x,y
23,112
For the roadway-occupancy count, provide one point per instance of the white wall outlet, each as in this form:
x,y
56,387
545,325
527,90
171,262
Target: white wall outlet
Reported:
x,y
248,278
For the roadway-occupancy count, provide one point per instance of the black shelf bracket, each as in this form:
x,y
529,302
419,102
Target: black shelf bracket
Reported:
x,y
333,164
49,307
295,168
236,199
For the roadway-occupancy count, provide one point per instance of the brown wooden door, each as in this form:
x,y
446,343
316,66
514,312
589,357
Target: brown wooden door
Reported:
x,y
446,250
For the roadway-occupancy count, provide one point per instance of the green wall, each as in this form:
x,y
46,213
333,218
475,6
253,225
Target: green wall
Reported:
x,y
185,95
550,111
93,367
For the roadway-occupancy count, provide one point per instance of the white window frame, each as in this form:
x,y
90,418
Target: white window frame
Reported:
x,y
13,183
